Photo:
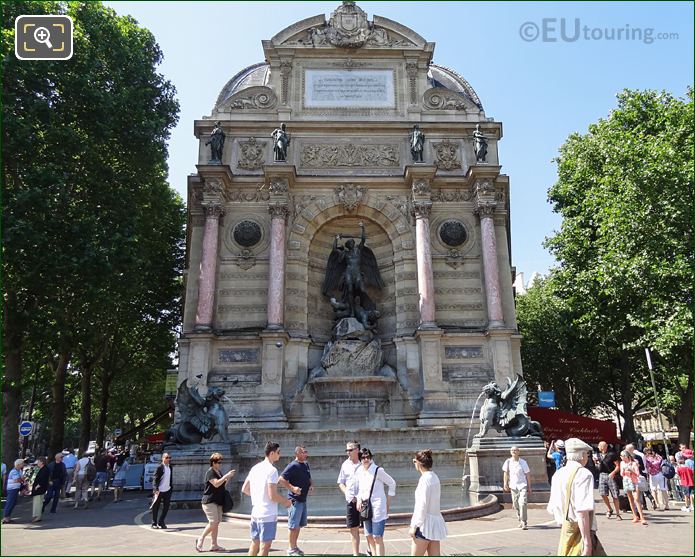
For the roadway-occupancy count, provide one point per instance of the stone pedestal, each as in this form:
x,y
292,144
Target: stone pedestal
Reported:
x,y
189,464
486,457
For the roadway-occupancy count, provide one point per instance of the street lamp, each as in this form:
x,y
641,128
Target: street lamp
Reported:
x,y
656,401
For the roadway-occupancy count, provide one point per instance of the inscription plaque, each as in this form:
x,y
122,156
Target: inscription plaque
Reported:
x,y
237,356
354,88
462,352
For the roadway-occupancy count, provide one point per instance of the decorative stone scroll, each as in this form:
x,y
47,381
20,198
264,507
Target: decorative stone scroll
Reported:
x,y
446,153
341,155
253,98
439,98
251,154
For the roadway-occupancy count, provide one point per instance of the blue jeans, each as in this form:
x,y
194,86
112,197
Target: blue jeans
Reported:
x,y
52,493
297,515
10,502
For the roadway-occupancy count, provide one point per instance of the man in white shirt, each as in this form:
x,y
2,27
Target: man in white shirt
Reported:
x,y
162,485
581,500
349,487
517,479
262,486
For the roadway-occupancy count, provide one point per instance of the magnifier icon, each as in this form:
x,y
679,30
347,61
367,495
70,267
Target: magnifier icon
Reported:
x,y
42,35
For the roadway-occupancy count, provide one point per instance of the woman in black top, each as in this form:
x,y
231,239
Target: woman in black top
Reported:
x,y
38,489
213,500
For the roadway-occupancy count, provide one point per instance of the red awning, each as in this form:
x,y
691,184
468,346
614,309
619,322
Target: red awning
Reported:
x,y
156,438
563,425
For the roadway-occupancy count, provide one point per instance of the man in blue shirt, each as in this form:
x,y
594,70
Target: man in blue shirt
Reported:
x,y
297,473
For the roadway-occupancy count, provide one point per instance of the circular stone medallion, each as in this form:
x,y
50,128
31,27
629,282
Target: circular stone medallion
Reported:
x,y
453,233
247,233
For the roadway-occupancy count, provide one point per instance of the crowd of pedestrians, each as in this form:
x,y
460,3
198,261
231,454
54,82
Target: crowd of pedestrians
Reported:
x,y
48,482
641,476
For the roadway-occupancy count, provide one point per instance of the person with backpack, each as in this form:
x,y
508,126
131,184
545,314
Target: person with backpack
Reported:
x,y
85,472
657,480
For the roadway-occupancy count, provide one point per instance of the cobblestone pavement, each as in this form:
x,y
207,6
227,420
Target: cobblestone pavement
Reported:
x,y
123,529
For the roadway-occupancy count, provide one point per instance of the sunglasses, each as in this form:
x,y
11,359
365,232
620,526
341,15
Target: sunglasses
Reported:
x,y
216,461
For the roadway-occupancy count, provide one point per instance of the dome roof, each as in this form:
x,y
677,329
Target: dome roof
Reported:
x,y
440,76
254,75
259,74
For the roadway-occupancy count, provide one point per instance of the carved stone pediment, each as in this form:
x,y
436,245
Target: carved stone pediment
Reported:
x,y
440,98
252,98
348,27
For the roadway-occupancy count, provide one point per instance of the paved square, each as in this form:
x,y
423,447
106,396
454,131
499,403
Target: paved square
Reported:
x,y
123,529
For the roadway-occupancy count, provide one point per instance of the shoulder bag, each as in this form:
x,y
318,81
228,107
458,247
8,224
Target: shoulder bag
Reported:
x,y
367,512
570,536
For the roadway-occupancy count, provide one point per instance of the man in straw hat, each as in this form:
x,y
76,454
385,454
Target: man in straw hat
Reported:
x,y
572,502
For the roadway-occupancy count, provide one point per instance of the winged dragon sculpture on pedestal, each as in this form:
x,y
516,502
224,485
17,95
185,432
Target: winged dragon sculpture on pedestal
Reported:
x,y
506,410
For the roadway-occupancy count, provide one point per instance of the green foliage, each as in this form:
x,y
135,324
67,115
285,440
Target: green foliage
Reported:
x,y
624,191
92,233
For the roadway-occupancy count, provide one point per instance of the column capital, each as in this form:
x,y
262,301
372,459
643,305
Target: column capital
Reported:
x,y
485,207
278,210
422,209
212,209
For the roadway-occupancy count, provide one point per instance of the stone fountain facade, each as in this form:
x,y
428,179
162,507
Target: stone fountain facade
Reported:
x,y
260,233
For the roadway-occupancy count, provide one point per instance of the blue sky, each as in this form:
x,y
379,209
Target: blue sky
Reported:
x,y
540,90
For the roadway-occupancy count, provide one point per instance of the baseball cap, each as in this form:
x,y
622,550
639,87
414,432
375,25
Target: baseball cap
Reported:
x,y
559,443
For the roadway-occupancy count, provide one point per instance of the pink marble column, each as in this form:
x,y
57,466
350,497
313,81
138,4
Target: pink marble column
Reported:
x,y
425,278
490,267
208,266
276,273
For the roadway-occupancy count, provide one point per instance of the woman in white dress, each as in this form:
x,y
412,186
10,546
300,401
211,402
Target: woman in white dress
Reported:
x,y
427,527
371,480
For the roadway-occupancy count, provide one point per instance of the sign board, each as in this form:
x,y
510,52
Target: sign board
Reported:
x,y
546,399
170,386
117,432
25,428
349,89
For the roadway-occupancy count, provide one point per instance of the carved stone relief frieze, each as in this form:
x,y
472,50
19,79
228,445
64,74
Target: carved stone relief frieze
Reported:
x,y
251,154
257,195
349,155
421,188
452,196
446,153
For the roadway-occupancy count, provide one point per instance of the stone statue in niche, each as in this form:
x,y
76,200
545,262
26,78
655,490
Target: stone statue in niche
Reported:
x,y
507,410
479,144
417,143
281,141
202,417
351,268
216,143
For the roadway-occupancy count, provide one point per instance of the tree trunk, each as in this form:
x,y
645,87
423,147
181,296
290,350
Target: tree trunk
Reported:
x,y
58,419
103,410
86,408
629,433
11,385
684,416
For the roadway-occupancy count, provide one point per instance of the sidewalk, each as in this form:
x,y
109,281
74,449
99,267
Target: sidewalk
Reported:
x,y
123,529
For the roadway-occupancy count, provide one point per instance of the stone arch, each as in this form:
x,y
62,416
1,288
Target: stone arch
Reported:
x,y
303,230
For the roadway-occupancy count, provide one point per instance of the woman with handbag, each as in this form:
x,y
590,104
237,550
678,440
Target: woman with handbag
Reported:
x,y
629,470
427,527
213,501
372,502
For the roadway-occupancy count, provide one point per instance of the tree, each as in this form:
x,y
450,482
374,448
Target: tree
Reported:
x,y
84,174
624,191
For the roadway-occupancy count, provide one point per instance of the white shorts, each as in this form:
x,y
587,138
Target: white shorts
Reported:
x,y
657,481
